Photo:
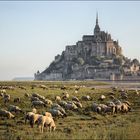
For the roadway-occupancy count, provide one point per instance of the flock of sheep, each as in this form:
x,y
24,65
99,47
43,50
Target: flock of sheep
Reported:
x,y
60,105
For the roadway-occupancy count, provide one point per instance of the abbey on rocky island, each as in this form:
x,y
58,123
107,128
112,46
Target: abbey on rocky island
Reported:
x,y
97,57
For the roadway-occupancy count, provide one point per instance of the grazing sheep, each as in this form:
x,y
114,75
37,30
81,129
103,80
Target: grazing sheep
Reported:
x,y
3,91
55,105
1,94
65,96
48,114
75,99
78,104
110,109
34,110
56,113
34,118
46,121
102,97
63,103
38,103
17,100
86,98
57,98
61,109
43,87
13,108
34,98
71,106
5,113
26,95
6,98
28,116
125,108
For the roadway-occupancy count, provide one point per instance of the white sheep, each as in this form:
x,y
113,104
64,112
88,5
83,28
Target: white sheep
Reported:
x,y
48,114
57,98
46,121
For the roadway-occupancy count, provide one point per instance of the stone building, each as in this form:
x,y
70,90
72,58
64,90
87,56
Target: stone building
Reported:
x,y
96,56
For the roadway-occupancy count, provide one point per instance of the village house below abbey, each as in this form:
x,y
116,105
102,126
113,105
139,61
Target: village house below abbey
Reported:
x,y
96,56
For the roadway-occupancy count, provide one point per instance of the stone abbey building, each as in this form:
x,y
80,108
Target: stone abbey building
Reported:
x,y
97,57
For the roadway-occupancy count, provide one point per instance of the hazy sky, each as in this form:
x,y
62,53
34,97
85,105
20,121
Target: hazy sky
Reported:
x,y
33,33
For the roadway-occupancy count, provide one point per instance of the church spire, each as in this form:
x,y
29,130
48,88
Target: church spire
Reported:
x,y
97,18
97,28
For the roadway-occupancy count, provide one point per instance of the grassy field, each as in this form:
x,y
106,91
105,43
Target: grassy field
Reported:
x,y
81,124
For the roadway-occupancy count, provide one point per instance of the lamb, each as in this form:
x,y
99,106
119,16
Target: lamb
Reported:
x,y
46,121
3,91
38,103
71,106
5,113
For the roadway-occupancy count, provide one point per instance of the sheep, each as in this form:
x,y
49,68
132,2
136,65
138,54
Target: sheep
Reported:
x,y
56,113
75,99
3,91
13,108
34,110
78,104
5,113
71,106
63,103
1,94
125,108
102,97
46,121
43,87
86,98
48,114
34,118
6,98
48,102
17,100
34,98
65,96
28,116
55,105
38,103
26,95
62,110
109,109
57,98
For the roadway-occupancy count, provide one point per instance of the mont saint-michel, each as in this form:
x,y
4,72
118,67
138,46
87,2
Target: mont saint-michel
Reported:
x,y
96,56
